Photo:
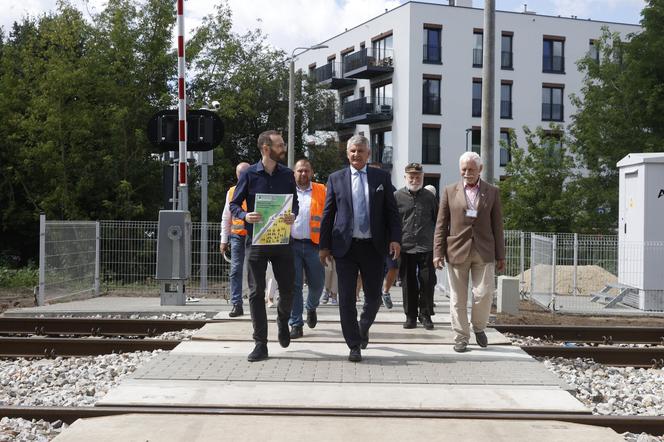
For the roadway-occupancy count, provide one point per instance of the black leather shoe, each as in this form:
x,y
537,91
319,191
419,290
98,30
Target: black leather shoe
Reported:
x,y
481,339
410,323
296,332
259,353
426,322
236,311
355,355
284,335
312,318
460,347
364,338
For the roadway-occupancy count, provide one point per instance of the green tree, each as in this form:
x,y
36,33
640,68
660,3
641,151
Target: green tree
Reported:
x,y
620,111
536,195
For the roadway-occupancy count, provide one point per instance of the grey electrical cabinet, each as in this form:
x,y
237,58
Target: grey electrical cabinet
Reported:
x,y
174,245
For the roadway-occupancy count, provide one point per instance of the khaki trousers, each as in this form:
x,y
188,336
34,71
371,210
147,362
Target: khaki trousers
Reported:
x,y
483,287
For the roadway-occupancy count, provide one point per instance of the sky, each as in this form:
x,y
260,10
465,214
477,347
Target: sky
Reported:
x,y
313,21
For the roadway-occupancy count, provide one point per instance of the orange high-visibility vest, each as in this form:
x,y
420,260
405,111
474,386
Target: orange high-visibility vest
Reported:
x,y
316,210
237,225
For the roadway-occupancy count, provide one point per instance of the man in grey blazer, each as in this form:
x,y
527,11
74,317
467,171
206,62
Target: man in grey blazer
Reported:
x,y
469,236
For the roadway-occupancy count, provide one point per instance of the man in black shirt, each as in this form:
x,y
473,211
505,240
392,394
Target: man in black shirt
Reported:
x,y
267,176
418,209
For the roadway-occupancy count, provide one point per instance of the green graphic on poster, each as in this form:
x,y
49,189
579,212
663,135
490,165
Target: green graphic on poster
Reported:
x,y
272,230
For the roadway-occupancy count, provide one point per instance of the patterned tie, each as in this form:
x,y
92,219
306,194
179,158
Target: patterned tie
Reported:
x,y
362,200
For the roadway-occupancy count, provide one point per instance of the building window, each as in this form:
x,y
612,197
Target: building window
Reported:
x,y
553,56
381,96
552,103
382,49
506,52
506,100
381,147
593,51
431,96
476,140
477,97
432,46
505,144
430,145
477,48
432,180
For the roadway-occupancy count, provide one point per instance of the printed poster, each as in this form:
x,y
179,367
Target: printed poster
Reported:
x,y
272,230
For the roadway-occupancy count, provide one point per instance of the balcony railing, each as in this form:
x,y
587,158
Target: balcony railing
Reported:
x,y
332,73
477,57
552,112
506,59
477,107
362,110
505,109
431,105
368,63
431,53
553,63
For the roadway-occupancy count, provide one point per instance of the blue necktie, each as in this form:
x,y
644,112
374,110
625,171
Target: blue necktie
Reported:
x,y
362,200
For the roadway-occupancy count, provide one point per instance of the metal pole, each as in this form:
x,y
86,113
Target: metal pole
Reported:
x,y
97,255
175,187
522,258
204,220
182,112
42,260
488,86
291,112
575,289
553,265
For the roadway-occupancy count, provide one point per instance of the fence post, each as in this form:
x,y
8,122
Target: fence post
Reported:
x,y
532,268
522,258
553,265
42,259
97,255
575,289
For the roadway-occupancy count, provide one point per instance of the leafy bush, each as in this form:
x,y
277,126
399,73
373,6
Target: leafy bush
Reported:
x,y
16,278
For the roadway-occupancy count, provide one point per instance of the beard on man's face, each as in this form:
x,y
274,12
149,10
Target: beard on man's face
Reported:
x,y
277,156
414,187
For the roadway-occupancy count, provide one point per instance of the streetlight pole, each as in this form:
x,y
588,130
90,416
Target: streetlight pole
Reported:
x,y
291,102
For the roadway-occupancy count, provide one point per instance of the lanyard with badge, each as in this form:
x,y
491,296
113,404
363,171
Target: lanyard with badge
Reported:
x,y
471,206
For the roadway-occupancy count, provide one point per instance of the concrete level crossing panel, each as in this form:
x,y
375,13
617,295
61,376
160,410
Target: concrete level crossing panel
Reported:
x,y
203,428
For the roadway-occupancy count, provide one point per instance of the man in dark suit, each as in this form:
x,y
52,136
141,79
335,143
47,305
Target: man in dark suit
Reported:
x,y
360,227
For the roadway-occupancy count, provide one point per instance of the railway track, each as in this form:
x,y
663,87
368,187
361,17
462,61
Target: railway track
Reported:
x,y
588,334
635,424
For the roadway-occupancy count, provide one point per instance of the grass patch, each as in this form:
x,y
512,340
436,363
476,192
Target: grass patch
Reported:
x,y
26,277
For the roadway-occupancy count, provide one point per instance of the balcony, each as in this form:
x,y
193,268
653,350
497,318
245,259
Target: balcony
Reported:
x,y
552,112
431,54
329,119
382,155
361,111
554,64
332,75
368,63
477,57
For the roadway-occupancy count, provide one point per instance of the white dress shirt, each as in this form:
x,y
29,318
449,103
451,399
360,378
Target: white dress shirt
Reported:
x,y
226,219
301,228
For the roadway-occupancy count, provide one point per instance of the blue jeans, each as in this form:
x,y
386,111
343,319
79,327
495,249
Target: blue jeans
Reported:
x,y
237,265
305,258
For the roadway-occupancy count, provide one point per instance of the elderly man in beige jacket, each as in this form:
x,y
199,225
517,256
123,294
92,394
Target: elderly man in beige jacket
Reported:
x,y
469,236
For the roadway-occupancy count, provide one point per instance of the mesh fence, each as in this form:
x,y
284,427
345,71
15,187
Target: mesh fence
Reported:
x,y
129,259
68,259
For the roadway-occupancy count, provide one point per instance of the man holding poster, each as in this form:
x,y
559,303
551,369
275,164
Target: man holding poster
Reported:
x,y
271,195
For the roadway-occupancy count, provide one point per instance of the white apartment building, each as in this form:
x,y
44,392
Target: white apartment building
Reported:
x,y
410,80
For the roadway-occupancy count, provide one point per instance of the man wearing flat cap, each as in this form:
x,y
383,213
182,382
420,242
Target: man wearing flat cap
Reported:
x,y
418,209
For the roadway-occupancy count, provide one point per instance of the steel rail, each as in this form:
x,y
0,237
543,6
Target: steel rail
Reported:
x,y
588,333
53,347
94,326
635,424
645,357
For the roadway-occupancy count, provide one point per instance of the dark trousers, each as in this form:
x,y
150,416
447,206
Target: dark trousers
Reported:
x,y
417,283
364,258
281,257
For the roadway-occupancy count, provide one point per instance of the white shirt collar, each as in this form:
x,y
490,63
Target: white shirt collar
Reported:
x,y
308,189
356,171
